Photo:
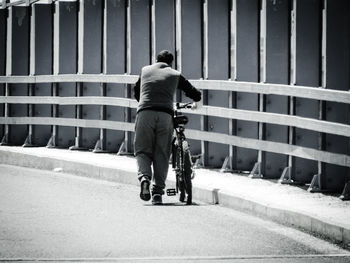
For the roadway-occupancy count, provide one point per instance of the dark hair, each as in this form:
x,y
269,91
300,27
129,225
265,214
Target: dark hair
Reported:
x,y
165,56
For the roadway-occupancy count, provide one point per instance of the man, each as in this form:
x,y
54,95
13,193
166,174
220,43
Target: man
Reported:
x,y
155,91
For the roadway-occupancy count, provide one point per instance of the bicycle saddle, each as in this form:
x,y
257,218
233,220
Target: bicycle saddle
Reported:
x,y
181,119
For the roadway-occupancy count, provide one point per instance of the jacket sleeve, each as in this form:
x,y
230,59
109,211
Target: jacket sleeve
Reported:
x,y
137,90
188,89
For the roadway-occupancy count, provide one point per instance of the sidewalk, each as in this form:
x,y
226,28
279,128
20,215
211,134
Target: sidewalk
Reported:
x,y
317,213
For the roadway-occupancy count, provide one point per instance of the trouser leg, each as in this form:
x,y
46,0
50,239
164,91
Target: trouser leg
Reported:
x,y
144,163
144,143
161,154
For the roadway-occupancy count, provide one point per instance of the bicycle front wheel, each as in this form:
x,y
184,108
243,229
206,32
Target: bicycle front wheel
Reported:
x,y
187,176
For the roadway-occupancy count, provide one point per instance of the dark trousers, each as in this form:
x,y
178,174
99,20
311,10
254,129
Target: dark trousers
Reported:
x,y
153,136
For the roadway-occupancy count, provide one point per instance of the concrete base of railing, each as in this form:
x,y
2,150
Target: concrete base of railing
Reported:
x,y
345,196
256,172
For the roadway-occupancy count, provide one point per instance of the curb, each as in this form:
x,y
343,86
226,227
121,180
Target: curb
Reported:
x,y
331,231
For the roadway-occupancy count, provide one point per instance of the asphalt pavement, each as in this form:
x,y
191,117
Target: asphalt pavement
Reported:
x,y
53,216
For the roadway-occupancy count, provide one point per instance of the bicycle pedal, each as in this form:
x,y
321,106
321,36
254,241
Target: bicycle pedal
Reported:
x,y
171,192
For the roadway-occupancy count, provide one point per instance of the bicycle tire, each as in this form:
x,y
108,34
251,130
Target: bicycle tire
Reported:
x,y
180,174
187,177
183,185
182,164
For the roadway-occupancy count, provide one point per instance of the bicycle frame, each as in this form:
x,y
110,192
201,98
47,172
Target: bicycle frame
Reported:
x,y
181,157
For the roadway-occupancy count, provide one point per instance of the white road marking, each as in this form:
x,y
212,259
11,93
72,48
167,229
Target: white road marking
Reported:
x,y
175,258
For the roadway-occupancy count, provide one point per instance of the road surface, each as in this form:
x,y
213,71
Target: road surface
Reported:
x,y
52,216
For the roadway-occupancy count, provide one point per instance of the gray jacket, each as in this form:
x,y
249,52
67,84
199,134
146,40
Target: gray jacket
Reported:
x,y
156,88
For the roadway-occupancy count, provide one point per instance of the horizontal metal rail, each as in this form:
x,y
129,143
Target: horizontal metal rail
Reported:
x,y
268,146
316,93
71,122
87,100
256,116
117,78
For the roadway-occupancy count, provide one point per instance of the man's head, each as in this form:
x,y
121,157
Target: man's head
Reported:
x,y
165,56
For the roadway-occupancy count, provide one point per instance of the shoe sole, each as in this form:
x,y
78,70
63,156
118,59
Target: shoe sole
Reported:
x,y
145,193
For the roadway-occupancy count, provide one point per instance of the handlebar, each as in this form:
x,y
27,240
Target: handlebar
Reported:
x,y
188,105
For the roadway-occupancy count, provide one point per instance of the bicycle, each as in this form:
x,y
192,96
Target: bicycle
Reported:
x,y
182,161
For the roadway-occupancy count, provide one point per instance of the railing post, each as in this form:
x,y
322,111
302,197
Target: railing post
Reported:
x,y
316,184
55,68
5,138
286,176
3,26
230,161
204,125
52,141
79,85
125,147
77,142
258,168
100,144
28,140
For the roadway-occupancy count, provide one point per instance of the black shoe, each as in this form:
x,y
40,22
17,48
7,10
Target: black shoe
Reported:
x,y
157,199
145,193
182,197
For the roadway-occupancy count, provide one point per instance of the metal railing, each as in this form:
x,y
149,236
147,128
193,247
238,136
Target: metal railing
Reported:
x,y
315,93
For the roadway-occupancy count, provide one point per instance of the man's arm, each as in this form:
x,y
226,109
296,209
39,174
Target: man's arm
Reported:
x,y
137,90
189,90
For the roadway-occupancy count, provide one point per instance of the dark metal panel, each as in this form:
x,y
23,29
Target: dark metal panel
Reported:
x,y
68,31
18,133
92,61
115,64
67,64
164,26
92,64
41,134
338,77
218,68
43,65
277,71
308,42
114,139
307,73
191,53
191,36
277,41
43,39
305,169
20,40
90,136
247,69
116,37
3,25
140,35
65,135
19,66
